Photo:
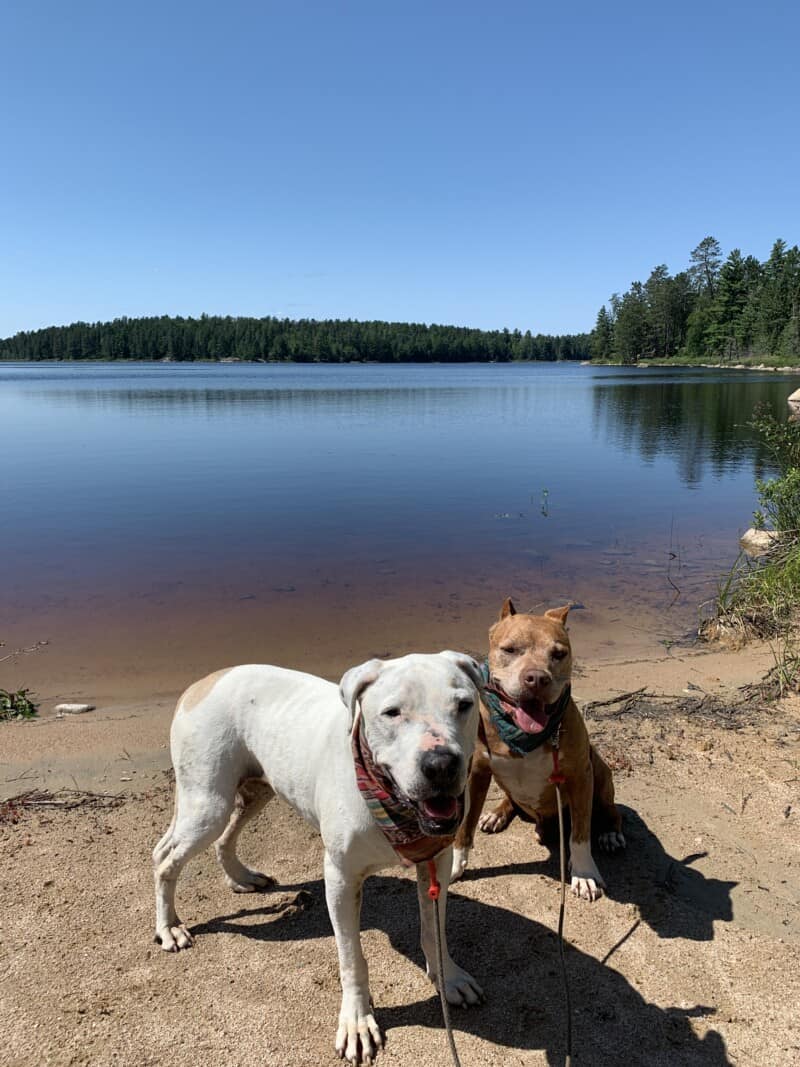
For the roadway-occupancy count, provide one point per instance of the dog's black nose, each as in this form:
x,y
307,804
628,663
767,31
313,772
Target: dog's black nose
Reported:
x,y
440,766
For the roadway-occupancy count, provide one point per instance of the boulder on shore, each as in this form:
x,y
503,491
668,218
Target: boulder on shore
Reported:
x,y
758,542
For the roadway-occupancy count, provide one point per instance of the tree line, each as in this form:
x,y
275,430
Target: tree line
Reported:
x,y
717,310
286,340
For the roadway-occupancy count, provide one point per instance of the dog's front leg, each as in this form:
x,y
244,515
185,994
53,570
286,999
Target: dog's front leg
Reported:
x,y
587,881
460,987
358,1037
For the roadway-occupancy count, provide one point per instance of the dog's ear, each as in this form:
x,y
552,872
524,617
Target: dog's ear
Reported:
x,y
468,665
355,681
559,614
507,608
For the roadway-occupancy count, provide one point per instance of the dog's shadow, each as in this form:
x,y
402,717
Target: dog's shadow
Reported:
x,y
673,898
516,960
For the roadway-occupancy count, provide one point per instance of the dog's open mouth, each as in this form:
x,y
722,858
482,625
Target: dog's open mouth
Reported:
x,y
440,814
531,716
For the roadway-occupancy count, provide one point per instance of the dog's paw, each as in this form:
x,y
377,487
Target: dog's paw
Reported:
x,y
173,938
248,881
359,1037
612,841
493,822
460,861
587,887
460,988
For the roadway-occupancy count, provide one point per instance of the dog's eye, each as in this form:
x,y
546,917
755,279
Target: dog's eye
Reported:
x,y
559,653
464,706
391,713
508,649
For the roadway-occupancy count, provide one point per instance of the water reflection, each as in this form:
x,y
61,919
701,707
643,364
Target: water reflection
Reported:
x,y
364,472
289,401
696,419
702,424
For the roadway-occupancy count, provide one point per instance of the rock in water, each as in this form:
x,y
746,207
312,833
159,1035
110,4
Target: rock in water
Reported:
x,y
758,542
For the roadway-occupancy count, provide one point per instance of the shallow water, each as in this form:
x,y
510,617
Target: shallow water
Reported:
x,y
148,493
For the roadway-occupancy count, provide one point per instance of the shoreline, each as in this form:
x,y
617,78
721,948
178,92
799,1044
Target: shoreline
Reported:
x,y
674,364
123,745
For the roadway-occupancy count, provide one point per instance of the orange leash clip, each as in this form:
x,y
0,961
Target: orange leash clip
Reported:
x,y
434,889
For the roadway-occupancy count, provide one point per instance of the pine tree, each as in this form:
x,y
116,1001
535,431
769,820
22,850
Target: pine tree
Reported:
x,y
602,342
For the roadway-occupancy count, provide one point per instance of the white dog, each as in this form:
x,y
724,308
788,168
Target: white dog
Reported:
x,y
242,735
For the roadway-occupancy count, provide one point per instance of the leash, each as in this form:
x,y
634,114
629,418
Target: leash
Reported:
x,y
376,798
499,705
433,892
557,778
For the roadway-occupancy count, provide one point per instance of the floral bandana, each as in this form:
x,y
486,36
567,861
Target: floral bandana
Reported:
x,y
396,818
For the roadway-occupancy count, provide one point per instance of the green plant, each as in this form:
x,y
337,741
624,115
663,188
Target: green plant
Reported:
x,y
780,503
779,498
16,705
782,439
757,598
785,675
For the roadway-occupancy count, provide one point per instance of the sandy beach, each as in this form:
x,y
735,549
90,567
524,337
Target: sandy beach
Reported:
x,y
691,957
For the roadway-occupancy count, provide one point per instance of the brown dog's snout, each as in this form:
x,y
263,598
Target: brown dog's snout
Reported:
x,y
535,679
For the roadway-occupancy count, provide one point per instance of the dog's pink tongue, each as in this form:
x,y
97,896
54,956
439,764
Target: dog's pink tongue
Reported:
x,y
441,807
532,719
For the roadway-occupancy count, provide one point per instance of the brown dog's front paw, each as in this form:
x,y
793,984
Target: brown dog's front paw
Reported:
x,y
460,861
494,822
612,841
586,888
587,882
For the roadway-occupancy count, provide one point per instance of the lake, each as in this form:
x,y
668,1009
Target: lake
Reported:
x,y
178,514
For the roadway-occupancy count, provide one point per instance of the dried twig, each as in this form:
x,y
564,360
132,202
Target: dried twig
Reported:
x,y
63,799
632,695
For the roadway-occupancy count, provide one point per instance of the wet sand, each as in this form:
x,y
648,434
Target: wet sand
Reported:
x,y
132,658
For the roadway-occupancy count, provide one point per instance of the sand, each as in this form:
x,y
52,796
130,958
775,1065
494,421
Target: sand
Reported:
x,y
692,957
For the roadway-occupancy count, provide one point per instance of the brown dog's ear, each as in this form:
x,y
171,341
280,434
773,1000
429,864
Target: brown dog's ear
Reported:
x,y
559,614
507,608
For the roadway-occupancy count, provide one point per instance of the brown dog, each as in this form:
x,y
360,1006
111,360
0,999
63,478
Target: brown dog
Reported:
x,y
527,711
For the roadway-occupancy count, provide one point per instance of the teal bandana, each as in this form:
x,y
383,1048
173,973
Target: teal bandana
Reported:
x,y
501,714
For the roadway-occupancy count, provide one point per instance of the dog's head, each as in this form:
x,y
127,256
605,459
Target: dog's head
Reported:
x,y
530,657
420,718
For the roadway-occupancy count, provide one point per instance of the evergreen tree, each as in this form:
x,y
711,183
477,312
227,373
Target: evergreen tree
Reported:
x,y
631,325
602,342
704,271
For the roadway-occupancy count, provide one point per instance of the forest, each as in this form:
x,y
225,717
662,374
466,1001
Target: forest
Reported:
x,y
213,337
714,311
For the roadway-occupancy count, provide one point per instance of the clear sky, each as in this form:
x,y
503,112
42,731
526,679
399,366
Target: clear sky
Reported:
x,y
487,164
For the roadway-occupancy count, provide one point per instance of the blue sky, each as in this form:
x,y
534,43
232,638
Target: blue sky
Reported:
x,y
493,165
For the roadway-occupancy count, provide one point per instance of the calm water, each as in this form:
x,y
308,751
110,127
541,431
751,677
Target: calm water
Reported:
x,y
261,482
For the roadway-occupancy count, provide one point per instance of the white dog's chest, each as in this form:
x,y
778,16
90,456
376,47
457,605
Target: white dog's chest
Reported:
x,y
525,778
